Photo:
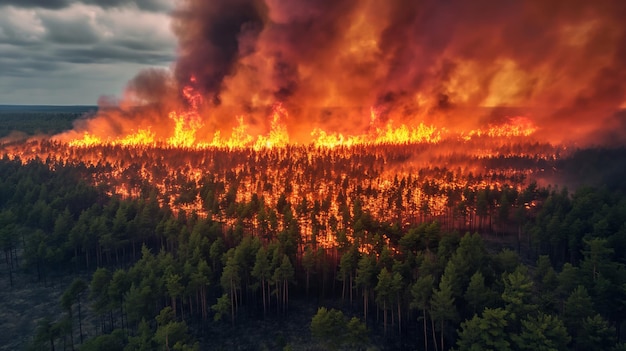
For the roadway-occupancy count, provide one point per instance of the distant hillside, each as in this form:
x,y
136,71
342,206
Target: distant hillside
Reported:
x,y
47,108
28,120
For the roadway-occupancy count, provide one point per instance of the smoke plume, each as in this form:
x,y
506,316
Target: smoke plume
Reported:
x,y
456,64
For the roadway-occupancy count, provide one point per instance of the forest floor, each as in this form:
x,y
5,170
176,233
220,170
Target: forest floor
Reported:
x,y
290,331
25,304
274,332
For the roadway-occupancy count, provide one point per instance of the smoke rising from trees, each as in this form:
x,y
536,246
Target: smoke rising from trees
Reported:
x,y
454,64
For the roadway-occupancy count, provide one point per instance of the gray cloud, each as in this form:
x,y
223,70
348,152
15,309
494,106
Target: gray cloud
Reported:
x,y
28,67
73,31
111,54
75,45
57,83
46,4
148,5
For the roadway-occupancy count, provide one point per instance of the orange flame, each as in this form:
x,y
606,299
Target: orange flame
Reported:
x,y
517,127
142,137
278,136
86,141
186,128
187,123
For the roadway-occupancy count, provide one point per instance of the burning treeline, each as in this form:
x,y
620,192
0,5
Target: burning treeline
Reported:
x,y
343,72
312,113
319,192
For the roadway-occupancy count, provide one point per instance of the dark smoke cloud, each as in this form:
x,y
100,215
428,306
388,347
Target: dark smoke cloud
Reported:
x,y
457,64
208,34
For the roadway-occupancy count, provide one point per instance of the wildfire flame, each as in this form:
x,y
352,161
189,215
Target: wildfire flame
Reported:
x,y
188,123
424,77
184,135
278,136
516,127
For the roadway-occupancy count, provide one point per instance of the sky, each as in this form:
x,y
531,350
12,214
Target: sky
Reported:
x,y
73,52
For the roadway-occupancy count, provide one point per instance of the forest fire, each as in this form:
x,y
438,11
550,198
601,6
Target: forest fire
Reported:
x,y
406,173
252,73
188,123
347,106
278,108
413,158
314,185
185,134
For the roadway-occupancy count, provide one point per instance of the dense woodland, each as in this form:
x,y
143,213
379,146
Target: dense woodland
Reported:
x,y
479,260
150,277
455,183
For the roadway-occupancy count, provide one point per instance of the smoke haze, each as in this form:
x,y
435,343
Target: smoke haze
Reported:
x,y
455,64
